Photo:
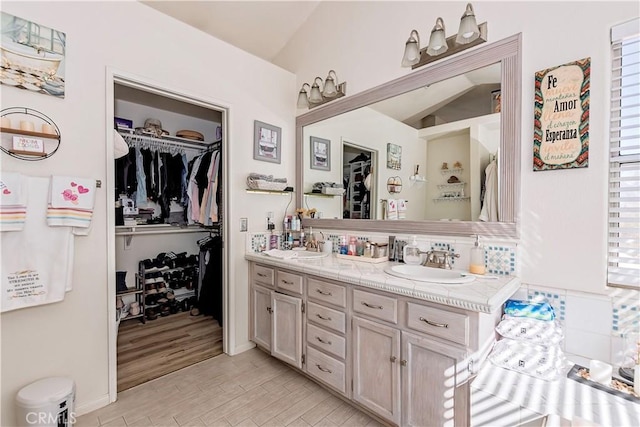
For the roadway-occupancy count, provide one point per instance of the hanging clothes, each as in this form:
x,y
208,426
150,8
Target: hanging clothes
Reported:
x,y
210,295
489,210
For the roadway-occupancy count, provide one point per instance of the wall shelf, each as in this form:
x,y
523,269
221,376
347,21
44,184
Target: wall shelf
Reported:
x,y
451,199
322,195
281,192
451,171
50,141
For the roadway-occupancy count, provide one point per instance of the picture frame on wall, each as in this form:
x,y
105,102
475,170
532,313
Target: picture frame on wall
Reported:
x,y
266,142
394,156
320,153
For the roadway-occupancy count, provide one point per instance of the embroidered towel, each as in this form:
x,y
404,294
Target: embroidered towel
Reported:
x,y
13,201
36,264
391,207
71,201
402,209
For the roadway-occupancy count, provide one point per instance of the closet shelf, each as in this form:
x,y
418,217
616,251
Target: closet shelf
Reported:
x,y
322,195
451,171
451,186
129,292
137,230
169,141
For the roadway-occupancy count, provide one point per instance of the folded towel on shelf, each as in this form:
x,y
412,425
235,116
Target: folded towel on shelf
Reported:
x,y
71,202
402,209
13,201
279,253
391,209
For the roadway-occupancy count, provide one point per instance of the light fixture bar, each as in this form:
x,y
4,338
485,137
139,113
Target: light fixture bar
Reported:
x,y
454,48
342,91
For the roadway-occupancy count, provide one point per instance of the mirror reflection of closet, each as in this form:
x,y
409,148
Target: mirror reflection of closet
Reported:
x,y
357,164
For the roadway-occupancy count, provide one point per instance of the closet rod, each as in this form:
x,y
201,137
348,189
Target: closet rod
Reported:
x,y
168,141
171,231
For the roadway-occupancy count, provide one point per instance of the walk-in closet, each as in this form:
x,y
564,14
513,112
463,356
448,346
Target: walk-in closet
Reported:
x,y
168,196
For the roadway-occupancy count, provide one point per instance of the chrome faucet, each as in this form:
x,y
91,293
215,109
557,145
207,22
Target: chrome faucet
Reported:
x,y
439,259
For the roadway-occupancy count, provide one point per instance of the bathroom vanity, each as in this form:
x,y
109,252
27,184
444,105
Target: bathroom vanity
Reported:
x,y
403,350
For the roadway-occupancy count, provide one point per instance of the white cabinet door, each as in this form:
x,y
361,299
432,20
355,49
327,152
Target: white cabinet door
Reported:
x,y
376,368
429,390
261,316
286,328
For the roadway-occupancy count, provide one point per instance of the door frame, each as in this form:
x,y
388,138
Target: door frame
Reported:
x,y
374,166
114,76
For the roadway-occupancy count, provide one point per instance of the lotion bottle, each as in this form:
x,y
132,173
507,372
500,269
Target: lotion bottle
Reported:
x,y
476,259
411,252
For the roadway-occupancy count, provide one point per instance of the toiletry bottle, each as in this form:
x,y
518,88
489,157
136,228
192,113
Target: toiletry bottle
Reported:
x,y
411,252
476,259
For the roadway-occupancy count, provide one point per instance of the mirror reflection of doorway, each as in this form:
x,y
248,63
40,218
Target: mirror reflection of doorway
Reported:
x,y
358,163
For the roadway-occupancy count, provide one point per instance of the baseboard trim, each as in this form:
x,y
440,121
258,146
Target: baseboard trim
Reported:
x,y
92,406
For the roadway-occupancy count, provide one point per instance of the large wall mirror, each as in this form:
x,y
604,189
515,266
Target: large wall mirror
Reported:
x,y
444,141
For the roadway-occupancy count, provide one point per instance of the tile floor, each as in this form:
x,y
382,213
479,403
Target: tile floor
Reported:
x,y
250,389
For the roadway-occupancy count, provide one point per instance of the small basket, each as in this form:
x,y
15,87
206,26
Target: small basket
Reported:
x,y
261,184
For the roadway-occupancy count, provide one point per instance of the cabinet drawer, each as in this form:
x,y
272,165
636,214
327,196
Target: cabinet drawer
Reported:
x,y
262,275
378,306
440,323
327,341
326,317
327,292
326,369
289,281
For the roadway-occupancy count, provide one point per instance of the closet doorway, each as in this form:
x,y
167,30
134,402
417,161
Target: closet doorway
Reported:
x,y
358,166
168,216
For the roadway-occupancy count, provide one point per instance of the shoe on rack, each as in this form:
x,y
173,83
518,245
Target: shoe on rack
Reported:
x,y
151,314
134,309
165,311
195,311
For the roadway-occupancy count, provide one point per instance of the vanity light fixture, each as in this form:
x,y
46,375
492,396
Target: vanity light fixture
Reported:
x,y
440,46
331,90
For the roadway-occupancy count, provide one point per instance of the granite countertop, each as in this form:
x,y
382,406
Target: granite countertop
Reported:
x,y
480,295
503,397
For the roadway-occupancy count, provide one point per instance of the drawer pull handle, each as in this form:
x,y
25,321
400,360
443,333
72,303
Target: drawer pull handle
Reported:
x,y
377,307
324,369
438,325
287,282
323,341
262,275
322,317
321,292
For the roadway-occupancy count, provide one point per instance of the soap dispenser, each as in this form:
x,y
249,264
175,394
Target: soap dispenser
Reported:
x,y
476,259
411,252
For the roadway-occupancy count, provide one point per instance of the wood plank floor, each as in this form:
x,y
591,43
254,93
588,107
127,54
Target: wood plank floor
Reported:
x,y
167,344
250,389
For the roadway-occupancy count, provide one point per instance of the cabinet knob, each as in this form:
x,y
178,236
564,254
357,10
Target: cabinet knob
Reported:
x,y
269,310
393,359
403,363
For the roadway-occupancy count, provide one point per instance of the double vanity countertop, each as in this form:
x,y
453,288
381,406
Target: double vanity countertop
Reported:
x,y
481,295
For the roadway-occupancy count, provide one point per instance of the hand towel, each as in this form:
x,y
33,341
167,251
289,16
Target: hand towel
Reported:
x,y
36,263
402,209
71,202
391,208
13,201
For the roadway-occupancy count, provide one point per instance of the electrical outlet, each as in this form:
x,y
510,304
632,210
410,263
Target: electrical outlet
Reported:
x,y
244,224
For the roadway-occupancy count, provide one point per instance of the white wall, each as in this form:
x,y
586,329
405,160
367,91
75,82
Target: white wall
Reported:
x,y
563,213
70,337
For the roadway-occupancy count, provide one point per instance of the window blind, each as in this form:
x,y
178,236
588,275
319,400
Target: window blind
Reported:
x,y
624,161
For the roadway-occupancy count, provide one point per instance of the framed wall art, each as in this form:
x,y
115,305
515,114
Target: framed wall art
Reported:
x,y
394,156
320,154
33,56
561,117
266,142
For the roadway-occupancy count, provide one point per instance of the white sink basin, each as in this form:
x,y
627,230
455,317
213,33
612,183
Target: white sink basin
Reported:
x,y
428,274
310,254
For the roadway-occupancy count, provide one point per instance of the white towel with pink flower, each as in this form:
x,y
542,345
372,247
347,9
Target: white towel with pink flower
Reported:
x,y
13,201
71,201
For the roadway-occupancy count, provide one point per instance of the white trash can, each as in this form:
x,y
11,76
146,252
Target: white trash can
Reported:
x,y
47,402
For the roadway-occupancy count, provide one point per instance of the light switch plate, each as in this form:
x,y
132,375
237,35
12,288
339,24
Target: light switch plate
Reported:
x,y
244,224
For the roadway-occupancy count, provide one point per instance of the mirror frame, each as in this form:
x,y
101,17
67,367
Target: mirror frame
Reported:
x,y
508,53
